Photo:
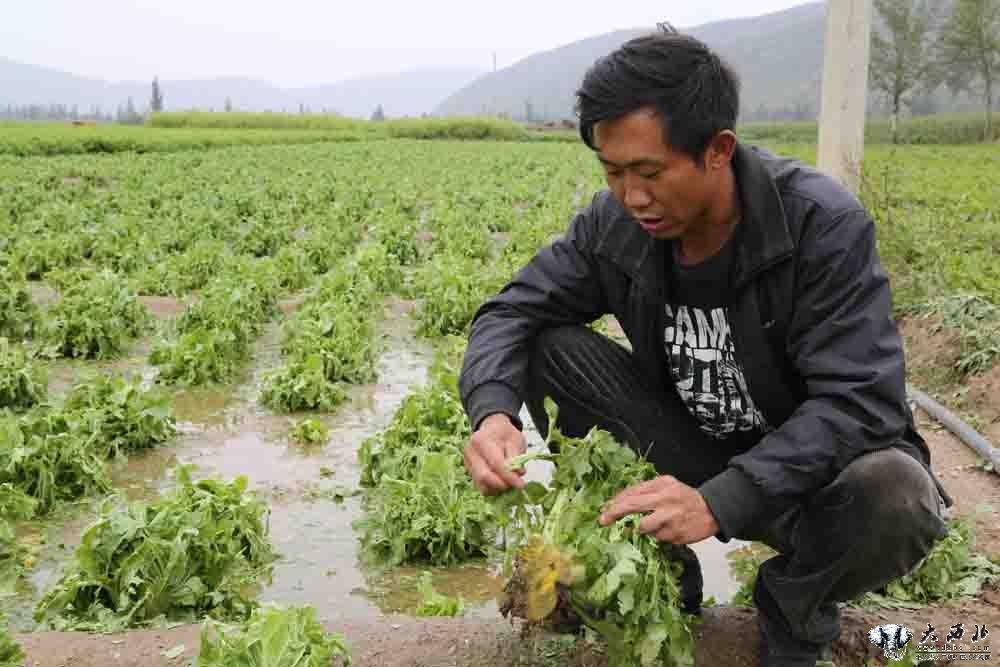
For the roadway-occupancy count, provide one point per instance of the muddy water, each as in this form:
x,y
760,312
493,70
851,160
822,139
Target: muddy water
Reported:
x,y
224,432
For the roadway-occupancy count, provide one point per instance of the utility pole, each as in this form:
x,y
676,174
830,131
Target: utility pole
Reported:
x,y
845,90
494,61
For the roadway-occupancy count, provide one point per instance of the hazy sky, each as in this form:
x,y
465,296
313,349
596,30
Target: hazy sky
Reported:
x,y
297,42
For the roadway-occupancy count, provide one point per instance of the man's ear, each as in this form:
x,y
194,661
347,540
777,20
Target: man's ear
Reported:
x,y
720,150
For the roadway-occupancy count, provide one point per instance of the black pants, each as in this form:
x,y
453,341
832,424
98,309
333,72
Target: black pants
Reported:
x,y
830,549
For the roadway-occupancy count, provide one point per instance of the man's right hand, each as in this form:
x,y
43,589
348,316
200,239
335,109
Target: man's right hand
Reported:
x,y
495,442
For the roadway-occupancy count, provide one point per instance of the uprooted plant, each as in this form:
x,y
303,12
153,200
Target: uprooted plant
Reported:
x,y
614,579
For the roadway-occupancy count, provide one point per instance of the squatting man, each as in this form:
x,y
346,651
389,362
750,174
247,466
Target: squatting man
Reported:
x,y
765,375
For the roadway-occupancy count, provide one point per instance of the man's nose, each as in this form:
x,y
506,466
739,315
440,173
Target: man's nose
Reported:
x,y
636,196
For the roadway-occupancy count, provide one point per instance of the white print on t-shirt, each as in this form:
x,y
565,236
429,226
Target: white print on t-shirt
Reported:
x,y
703,365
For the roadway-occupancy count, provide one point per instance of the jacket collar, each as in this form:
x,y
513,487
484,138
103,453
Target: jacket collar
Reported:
x,y
764,238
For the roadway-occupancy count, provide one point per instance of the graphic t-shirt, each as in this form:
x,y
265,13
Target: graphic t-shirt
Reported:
x,y
700,349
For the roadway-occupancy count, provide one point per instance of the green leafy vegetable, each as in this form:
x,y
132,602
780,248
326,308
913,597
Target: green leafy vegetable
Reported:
x,y
23,382
273,637
18,314
421,504
42,456
94,319
615,579
430,419
191,554
436,517
453,288
310,432
433,603
11,654
15,505
120,416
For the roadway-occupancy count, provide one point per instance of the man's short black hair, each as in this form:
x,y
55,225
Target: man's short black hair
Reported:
x,y
694,92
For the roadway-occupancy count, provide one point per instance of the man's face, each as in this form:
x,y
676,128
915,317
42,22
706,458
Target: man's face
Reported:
x,y
664,190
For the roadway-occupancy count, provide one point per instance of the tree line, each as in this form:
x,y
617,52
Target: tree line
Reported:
x,y
921,45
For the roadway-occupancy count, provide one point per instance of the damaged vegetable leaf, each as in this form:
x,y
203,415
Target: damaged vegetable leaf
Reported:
x,y
614,579
192,554
272,637
433,603
11,654
437,517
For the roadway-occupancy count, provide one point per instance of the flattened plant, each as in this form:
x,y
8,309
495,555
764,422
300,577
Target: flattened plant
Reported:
x,y
192,554
273,636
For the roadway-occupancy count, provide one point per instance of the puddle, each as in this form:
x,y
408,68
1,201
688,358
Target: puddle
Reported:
x,y
64,373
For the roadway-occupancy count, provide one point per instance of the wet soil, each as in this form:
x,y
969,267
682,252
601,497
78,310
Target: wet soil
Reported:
x,y
726,637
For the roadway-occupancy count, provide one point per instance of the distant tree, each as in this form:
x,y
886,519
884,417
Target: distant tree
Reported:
x,y
901,51
128,115
156,101
378,114
969,51
229,105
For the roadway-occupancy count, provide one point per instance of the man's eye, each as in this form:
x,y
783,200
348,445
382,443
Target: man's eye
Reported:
x,y
613,174
650,175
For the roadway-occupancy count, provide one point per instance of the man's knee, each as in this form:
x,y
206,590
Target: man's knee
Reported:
x,y
896,510
891,487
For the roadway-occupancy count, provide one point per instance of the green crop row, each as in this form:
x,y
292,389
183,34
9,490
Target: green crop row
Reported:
x,y
956,128
331,340
195,131
50,139
215,334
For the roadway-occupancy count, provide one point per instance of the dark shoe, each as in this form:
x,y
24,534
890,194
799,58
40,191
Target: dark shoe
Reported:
x,y
780,650
691,581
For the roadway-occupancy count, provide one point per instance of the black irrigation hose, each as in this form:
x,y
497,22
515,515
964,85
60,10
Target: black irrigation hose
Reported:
x,y
957,426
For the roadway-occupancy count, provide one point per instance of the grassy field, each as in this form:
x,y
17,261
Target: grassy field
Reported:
x,y
167,133
177,131
965,128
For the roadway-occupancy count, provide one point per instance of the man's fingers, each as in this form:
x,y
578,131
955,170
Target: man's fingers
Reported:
x,y
649,486
636,503
654,522
489,484
485,479
497,462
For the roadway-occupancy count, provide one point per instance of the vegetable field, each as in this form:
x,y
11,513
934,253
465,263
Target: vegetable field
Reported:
x,y
228,382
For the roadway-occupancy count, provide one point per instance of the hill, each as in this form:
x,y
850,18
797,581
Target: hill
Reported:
x,y
409,93
789,42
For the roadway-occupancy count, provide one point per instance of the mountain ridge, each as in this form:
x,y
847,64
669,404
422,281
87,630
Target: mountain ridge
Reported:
x,y
410,92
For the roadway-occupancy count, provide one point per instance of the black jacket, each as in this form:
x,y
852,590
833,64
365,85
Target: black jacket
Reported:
x,y
810,314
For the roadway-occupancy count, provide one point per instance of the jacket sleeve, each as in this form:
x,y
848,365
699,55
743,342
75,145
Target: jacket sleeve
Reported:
x,y
844,343
559,286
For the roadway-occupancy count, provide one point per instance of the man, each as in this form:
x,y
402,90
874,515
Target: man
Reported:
x,y
765,379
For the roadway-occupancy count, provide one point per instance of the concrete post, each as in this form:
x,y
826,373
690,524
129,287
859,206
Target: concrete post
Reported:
x,y
845,89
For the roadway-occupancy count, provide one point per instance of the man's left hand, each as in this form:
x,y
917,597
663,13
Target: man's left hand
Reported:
x,y
675,512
